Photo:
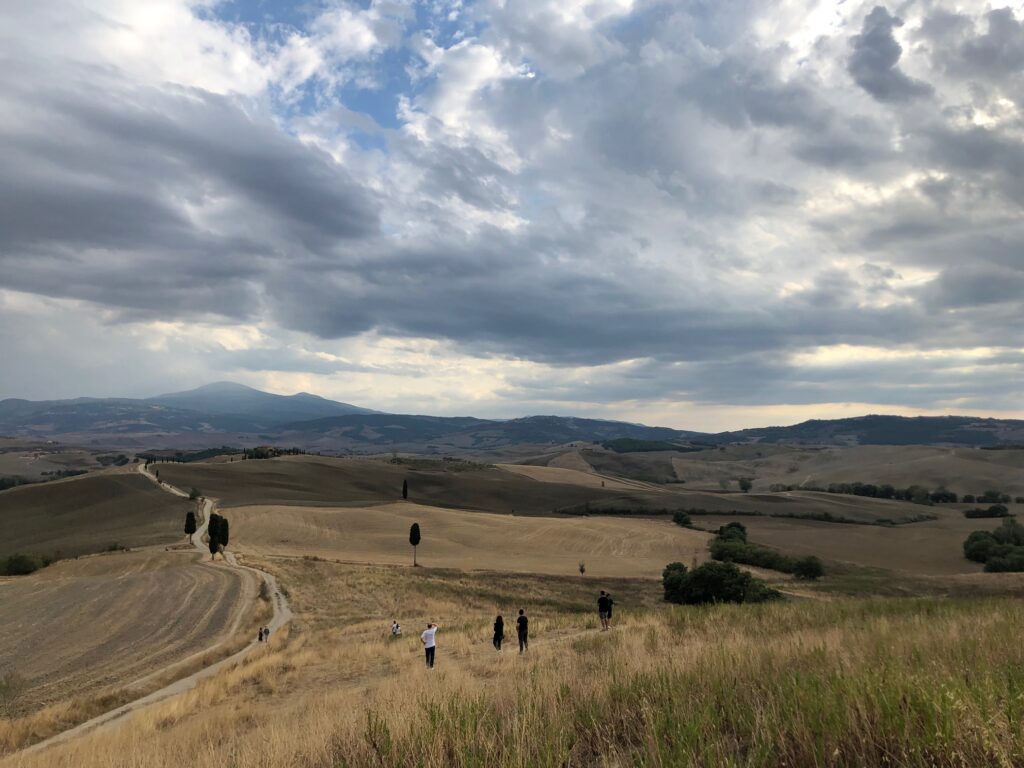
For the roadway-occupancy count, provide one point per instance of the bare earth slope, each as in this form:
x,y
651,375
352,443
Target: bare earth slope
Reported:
x,y
88,514
112,619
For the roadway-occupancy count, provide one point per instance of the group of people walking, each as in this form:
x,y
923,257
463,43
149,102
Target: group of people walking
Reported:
x,y
522,630
429,636
264,635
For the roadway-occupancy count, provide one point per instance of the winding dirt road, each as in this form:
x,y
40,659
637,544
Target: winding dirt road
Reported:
x,y
281,616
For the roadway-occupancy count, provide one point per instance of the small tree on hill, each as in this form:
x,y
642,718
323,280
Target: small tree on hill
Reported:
x,y
414,539
808,568
745,484
405,489
223,534
583,567
190,524
681,518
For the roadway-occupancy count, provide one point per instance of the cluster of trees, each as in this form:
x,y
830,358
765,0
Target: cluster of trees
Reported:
x,y
184,457
219,532
713,583
270,452
21,564
1000,550
996,510
732,546
679,517
918,494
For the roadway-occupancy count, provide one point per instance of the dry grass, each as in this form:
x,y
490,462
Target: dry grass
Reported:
x,y
470,540
844,682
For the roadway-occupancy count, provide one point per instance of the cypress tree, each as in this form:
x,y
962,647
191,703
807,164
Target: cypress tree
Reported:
x,y
405,489
190,524
414,539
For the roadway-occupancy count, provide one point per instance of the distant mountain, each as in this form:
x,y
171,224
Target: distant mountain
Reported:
x,y
231,414
222,409
227,398
887,430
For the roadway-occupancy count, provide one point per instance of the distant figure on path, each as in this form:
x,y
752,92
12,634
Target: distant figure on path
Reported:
x,y
523,630
396,629
604,610
499,632
266,634
260,638
429,643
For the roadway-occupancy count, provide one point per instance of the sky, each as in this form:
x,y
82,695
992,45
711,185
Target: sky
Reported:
x,y
708,215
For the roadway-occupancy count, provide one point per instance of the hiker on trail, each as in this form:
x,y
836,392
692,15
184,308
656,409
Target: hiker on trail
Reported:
x,y
260,638
523,630
396,629
429,643
266,634
499,632
604,610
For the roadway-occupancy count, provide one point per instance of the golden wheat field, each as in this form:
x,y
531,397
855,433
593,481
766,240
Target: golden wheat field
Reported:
x,y
470,540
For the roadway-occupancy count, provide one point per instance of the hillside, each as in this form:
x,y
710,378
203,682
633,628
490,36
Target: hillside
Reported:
x,y
89,514
887,430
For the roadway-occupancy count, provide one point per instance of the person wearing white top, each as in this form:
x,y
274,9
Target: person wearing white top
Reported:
x,y
429,643
396,629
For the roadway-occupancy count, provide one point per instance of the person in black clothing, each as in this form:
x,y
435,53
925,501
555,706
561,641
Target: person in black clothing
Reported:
x,y
523,629
603,610
611,604
499,632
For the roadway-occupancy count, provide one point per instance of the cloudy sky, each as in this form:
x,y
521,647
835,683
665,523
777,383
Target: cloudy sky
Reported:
x,y
706,214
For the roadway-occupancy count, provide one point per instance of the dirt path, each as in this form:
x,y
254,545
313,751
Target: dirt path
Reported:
x,y
282,615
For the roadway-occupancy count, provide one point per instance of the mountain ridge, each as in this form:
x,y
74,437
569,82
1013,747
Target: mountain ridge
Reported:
x,y
225,412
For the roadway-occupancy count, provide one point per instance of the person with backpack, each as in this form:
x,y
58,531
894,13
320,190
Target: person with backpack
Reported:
x,y
604,610
523,630
429,643
499,632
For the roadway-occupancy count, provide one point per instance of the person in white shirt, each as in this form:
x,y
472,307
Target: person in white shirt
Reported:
x,y
429,643
396,629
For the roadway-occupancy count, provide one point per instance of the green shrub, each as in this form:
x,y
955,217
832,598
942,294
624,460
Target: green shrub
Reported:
x,y
20,564
996,510
681,518
713,583
1010,560
736,551
733,532
808,568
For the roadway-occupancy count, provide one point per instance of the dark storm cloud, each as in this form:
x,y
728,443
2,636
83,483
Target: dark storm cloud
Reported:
x,y
668,189
874,61
161,202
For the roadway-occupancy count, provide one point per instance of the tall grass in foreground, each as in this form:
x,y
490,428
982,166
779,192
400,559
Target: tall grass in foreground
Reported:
x,y
912,682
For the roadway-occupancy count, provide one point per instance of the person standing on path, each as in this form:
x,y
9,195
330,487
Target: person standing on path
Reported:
x,y
523,630
604,610
429,643
499,632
